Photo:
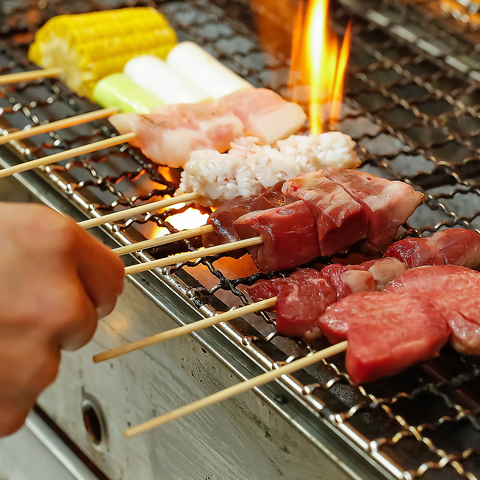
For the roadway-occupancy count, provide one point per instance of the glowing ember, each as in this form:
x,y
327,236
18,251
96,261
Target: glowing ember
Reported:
x,y
315,55
191,218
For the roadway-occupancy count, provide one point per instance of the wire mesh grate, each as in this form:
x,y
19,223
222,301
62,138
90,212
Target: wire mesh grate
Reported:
x,y
412,105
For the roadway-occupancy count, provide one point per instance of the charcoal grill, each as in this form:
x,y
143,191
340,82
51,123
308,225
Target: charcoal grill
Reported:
x,y
413,106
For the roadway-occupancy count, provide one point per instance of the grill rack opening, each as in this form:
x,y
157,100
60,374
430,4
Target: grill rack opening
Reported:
x,y
412,106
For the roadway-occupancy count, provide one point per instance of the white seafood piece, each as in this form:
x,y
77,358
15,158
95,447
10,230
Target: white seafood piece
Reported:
x,y
248,168
167,84
265,114
192,61
330,149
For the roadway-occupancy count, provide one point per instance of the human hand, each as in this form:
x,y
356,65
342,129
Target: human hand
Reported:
x,y
55,281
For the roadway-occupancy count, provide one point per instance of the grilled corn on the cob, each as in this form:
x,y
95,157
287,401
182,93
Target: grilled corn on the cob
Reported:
x,y
92,45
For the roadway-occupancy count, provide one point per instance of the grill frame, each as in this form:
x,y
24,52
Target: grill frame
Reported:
x,y
304,391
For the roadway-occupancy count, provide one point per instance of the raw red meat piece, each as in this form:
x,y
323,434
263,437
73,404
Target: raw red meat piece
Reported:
x,y
289,236
364,277
386,332
302,298
341,221
299,305
224,217
388,204
264,289
455,291
456,246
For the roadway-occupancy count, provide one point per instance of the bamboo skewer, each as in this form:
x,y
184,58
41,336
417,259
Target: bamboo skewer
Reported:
x,y
148,207
30,75
156,242
177,332
184,257
59,125
74,152
236,389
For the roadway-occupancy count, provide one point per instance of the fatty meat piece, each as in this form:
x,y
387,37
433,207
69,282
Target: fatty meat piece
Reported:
x,y
386,332
455,291
388,204
341,221
265,114
170,133
368,276
302,298
456,246
289,236
222,220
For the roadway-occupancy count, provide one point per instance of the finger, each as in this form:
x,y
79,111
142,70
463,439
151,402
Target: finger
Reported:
x,y
74,324
101,273
13,413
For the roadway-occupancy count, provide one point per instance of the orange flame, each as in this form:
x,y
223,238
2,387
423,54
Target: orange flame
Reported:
x,y
190,218
316,56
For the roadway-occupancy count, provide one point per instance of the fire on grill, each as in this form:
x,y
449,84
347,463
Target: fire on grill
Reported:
x,y
351,275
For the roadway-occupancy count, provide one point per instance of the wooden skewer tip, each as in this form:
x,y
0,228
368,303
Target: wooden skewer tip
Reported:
x,y
184,330
236,389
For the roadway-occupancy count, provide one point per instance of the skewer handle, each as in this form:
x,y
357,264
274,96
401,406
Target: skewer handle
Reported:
x,y
156,242
185,257
30,75
59,125
149,207
236,389
177,332
74,152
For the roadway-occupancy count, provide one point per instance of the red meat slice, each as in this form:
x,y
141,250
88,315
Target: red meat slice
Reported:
x,y
264,289
302,298
289,236
341,221
224,217
455,291
388,204
457,246
381,342
365,277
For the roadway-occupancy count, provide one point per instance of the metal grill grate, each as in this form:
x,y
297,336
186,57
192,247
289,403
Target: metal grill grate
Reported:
x,y
412,106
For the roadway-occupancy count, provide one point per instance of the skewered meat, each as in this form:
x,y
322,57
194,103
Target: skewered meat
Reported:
x,y
388,204
170,133
302,298
340,220
380,340
365,277
457,246
265,114
289,236
342,280
222,220
248,168
452,289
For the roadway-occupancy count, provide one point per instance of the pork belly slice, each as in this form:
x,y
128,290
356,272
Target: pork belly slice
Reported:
x,y
265,114
302,298
368,276
289,236
341,221
457,246
222,220
454,290
386,332
388,204
170,133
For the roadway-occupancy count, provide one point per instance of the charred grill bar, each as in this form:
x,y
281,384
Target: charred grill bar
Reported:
x,y
412,105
